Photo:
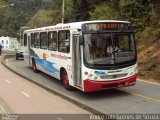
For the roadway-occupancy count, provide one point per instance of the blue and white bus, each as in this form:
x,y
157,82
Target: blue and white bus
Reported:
x,y
90,55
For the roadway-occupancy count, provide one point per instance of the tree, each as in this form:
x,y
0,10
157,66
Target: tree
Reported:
x,y
81,8
40,19
106,10
12,18
137,12
68,13
155,16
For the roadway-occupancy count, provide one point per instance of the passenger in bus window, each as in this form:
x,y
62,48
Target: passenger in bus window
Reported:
x,y
54,46
67,44
116,44
112,48
109,48
92,47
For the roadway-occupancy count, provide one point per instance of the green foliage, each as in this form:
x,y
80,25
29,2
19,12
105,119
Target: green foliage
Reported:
x,y
2,3
141,13
156,74
137,12
103,12
157,33
150,65
12,18
40,19
81,9
146,32
55,11
69,11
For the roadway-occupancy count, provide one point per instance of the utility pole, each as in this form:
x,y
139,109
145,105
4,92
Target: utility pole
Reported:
x,y
62,11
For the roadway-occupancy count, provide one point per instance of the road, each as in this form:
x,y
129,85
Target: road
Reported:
x,y
144,98
19,96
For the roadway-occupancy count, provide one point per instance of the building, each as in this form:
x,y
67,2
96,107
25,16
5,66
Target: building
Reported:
x,y
8,42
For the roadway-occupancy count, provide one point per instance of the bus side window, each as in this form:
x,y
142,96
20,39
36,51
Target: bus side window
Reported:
x,y
32,40
52,40
36,40
64,41
43,40
25,40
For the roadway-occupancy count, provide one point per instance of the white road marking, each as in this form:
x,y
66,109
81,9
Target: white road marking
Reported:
x,y
149,82
25,94
8,81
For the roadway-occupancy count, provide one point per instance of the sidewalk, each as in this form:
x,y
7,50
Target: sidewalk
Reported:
x,y
4,109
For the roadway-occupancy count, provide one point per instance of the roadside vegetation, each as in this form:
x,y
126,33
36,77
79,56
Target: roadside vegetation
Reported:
x,y
143,14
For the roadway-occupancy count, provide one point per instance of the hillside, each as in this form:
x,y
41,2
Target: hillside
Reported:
x,y
149,59
14,17
144,15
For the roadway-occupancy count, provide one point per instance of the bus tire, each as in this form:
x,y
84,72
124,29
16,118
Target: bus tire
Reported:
x,y
34,66
64,78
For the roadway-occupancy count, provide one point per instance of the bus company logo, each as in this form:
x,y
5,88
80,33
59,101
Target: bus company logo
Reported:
x,y
57,28
59,56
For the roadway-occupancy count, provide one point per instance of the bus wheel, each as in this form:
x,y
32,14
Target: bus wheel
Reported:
x,y
66,81
34,66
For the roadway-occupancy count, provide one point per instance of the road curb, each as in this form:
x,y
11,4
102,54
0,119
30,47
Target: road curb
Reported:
x,y
54,91
5,109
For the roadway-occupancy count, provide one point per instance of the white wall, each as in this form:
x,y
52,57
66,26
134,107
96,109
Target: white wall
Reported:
x,y
8,42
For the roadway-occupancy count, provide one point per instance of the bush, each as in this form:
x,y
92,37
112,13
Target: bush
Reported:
x,y
146,32
150,65
157,33
156,74
104,12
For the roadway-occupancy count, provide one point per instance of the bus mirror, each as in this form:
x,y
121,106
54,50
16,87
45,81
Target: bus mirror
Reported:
x,y
81,41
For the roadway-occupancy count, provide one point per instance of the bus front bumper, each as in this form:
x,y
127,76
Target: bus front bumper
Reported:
x,y
92,85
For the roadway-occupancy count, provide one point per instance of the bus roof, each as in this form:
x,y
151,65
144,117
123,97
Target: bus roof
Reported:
x,y
66,26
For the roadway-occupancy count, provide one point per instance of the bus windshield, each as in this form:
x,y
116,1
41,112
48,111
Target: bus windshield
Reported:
x,y
108,48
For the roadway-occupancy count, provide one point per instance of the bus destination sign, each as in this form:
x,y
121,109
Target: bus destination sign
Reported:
x,y
93,27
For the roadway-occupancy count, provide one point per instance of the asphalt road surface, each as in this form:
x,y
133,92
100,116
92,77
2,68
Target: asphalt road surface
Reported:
x,y
22,97
143,98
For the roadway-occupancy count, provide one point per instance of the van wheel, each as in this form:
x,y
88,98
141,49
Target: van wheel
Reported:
x,y
65,80
34,66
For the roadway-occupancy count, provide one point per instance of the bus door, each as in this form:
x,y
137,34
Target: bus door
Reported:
x,y
76,62
28,47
